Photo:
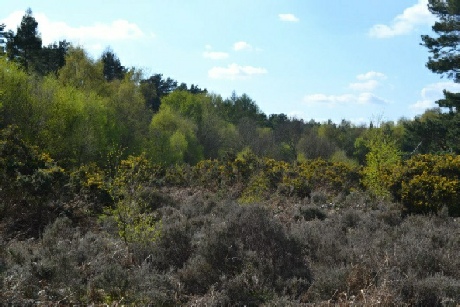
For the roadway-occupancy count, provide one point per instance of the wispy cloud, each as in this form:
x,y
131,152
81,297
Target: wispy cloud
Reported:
x,y
288,17
235,71
214,55
343,100
366,86
431,93
406,22
371,75
241,45
369,81
91,35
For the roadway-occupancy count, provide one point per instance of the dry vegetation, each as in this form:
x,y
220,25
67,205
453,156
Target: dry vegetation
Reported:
x,y
216,249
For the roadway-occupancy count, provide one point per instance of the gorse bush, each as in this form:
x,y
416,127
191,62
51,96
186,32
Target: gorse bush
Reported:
x,y
32,187
427,183
135,219
262,177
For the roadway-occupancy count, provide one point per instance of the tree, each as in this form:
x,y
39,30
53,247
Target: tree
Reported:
x,y
26,45
2,38
52,58
236,107
112,66
173,139
382,160
81,72
155,87
445,59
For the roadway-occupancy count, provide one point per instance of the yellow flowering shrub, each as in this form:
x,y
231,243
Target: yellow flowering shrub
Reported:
x,y
426,183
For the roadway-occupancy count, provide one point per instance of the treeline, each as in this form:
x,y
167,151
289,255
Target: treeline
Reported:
x,y
82,110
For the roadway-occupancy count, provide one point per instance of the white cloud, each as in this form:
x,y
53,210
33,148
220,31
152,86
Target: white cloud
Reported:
x,y
215,55
288,17
370,98
344,100
369,82
371,75
366,86
13,20
235,71
431,93
238,46
406,22
52,31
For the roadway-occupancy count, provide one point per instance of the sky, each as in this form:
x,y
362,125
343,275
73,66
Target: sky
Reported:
x,y
361,61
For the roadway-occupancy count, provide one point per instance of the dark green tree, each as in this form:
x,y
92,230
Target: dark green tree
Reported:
x,y
444,60
52,58
444,49
2,38
112,66
155,87
236,107
26,45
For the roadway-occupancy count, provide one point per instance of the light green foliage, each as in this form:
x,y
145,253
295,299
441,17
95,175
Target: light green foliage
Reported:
x,y
75,123
16,103
214,134
186,104
82,72
136,221
173,139
178,144
341,157
129,117
67,122
381,161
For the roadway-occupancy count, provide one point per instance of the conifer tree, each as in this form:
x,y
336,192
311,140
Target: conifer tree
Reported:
x,y
26,45
445,58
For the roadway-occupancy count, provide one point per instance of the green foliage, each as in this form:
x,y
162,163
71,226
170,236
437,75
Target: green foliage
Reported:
x,y
173,139
32,186
112,66
427,183
382,160
82,72
129,118
314,144
433,132
444,50
260,178
75,127
135,220
25,46
16,103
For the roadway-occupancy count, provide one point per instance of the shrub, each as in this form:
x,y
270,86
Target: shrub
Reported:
x,y
248,256
426,183
132,213
32,186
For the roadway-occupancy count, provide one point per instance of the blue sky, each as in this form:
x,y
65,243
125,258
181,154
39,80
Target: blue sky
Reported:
x,y
360,61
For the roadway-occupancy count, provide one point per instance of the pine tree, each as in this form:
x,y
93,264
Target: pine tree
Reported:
x,y
26,45
445,59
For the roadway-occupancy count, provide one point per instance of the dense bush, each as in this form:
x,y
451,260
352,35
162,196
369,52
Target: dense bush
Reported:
x,y
32,186
263,177
427,183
